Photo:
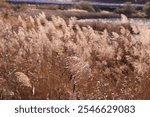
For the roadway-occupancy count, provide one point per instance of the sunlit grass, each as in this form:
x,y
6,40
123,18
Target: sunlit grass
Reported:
x,y
58,59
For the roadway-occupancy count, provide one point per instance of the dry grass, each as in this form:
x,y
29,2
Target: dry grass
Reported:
x,y
4,4
41,59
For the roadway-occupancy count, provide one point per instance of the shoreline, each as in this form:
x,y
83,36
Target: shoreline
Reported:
x,y
78,14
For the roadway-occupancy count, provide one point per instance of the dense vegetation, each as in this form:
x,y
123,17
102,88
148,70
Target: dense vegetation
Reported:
x,y
58,59
45,57
127,9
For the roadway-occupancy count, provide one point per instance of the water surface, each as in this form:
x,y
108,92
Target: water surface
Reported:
x,y
139,21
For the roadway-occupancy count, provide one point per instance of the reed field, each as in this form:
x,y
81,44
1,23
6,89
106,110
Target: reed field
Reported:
x,y
67,59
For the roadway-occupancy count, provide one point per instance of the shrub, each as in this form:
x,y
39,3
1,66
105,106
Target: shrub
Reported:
x,y
50,7
128,8
16,7
146,8
85,6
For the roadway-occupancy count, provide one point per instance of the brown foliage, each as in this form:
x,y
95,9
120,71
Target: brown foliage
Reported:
x,y
41,59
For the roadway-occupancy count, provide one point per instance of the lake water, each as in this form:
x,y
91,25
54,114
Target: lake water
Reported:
x,y
139,21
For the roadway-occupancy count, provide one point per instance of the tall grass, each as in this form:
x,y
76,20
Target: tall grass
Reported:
x,y
58,59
